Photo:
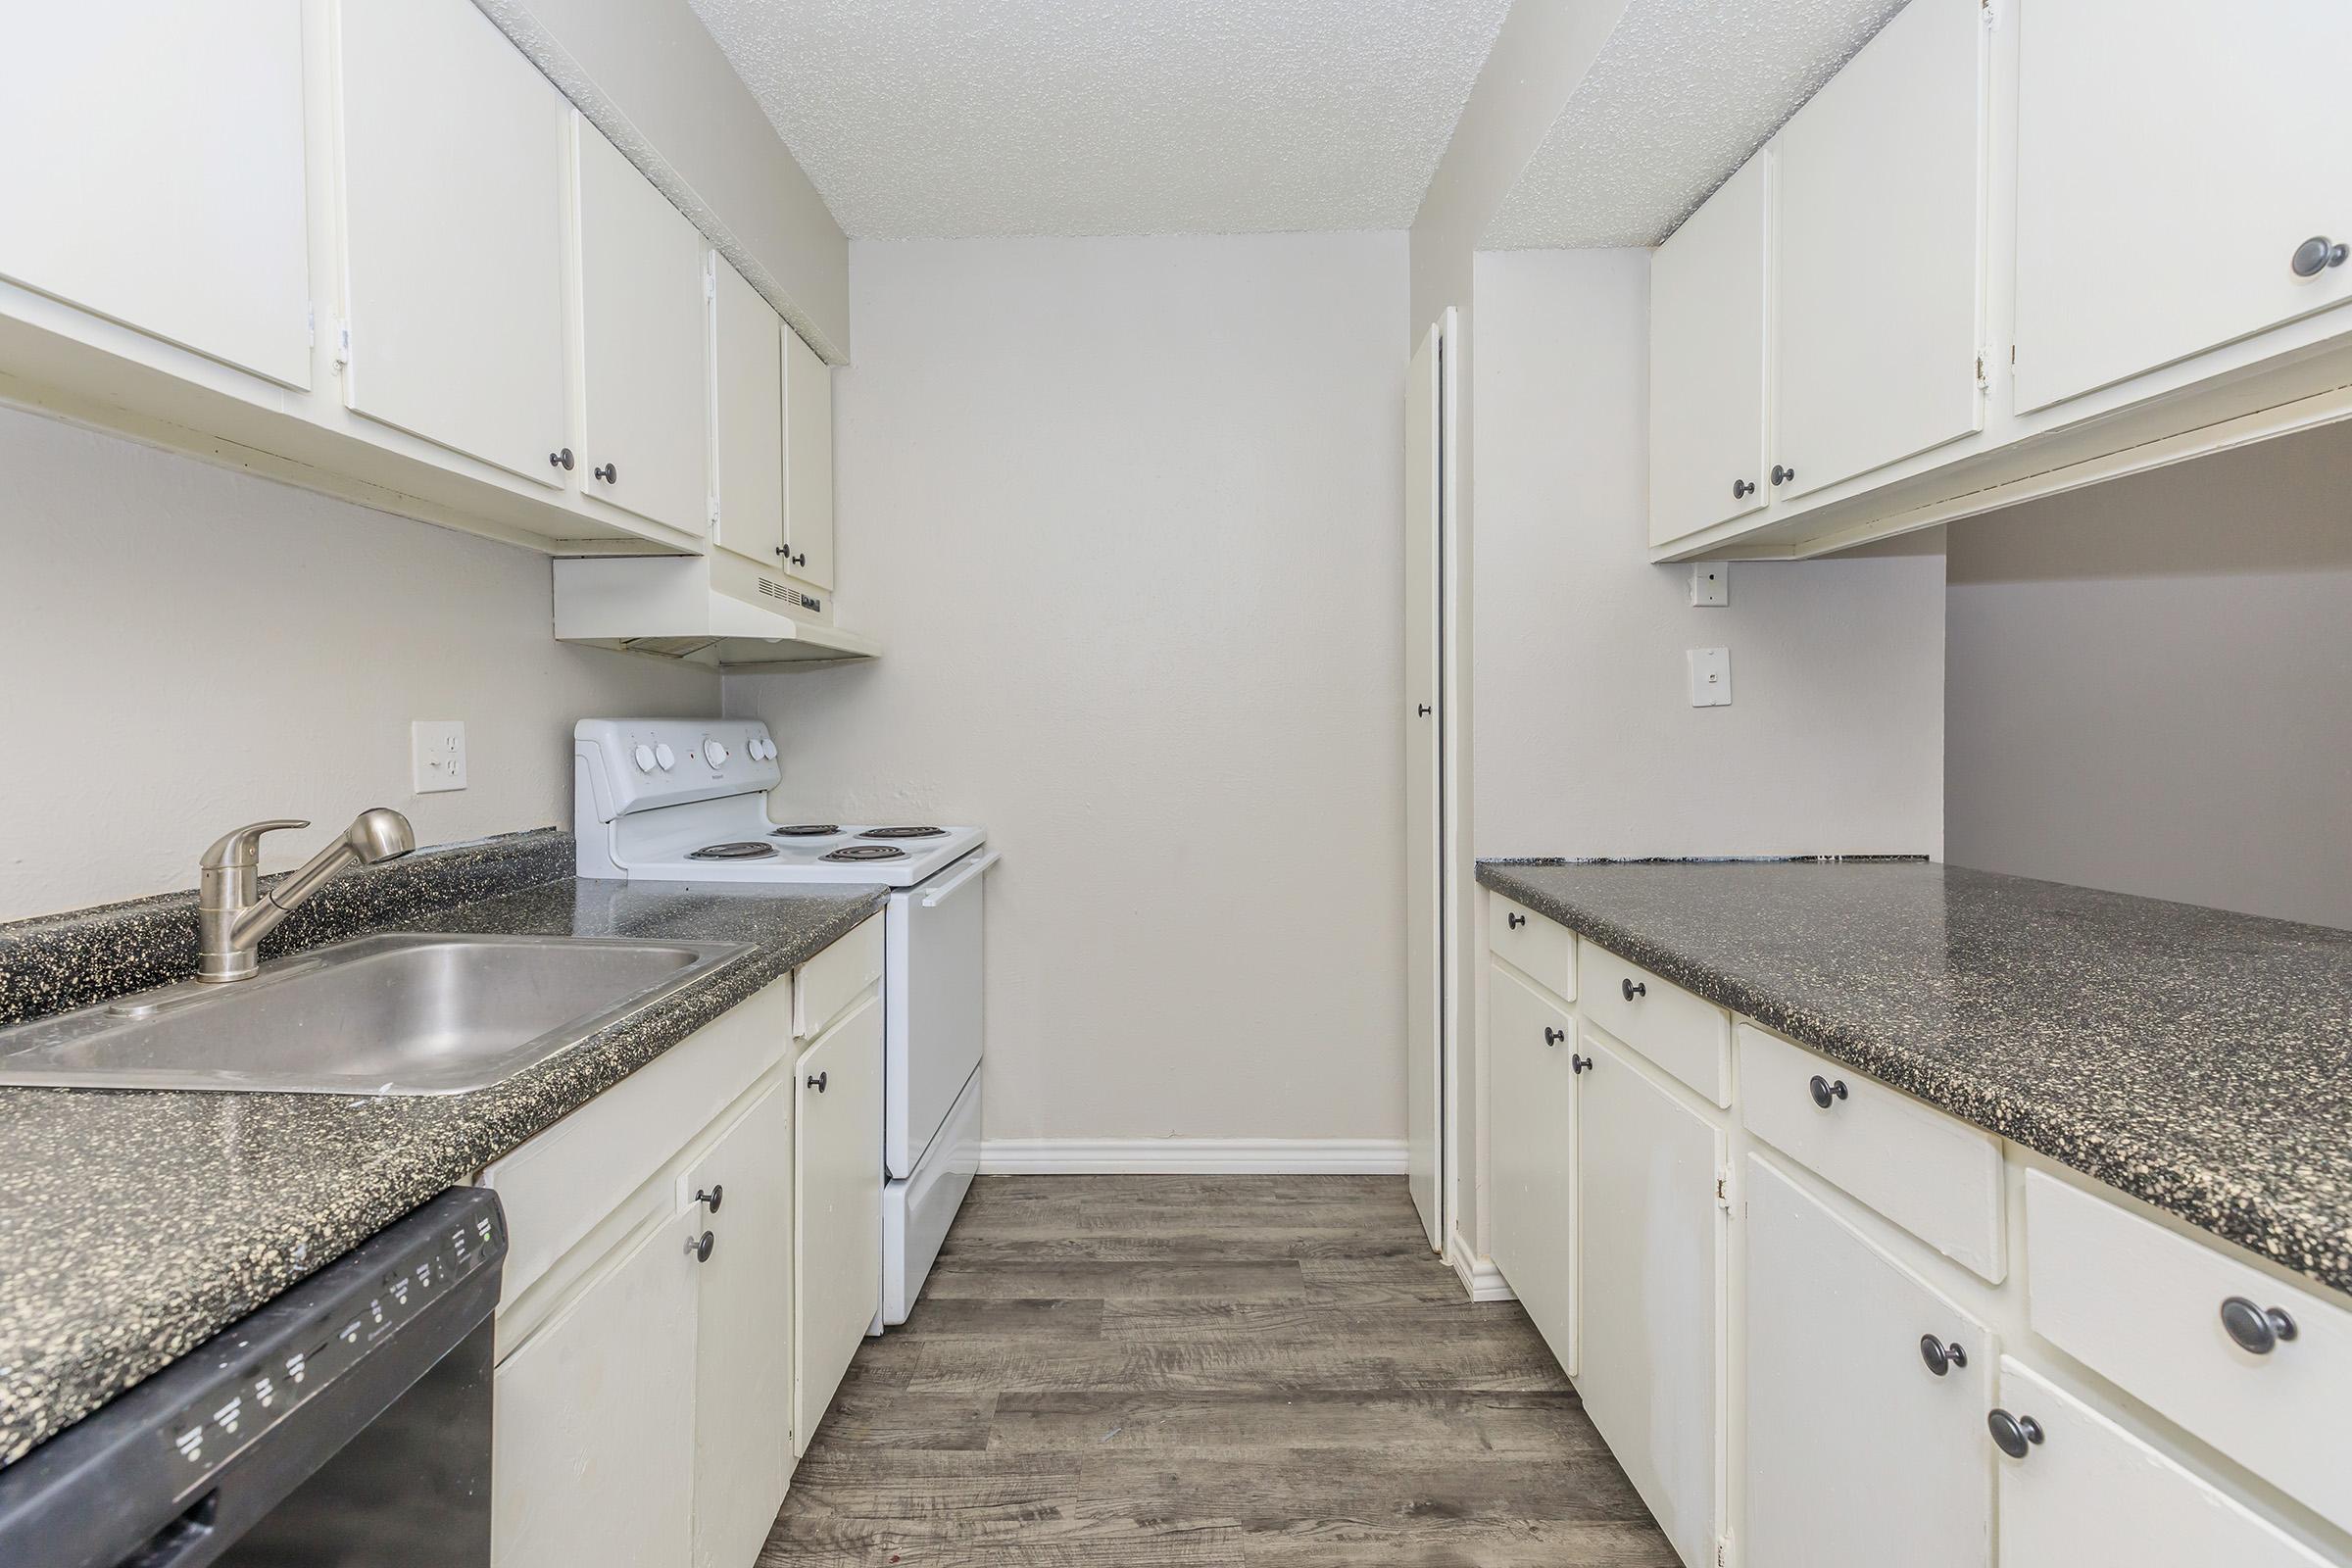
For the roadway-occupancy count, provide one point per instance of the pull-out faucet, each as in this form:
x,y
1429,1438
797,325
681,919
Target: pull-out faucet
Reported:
x,y
233,914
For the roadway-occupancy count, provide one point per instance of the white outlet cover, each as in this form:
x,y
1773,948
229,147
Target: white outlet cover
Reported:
x,y
437,754
1711,582
1710,677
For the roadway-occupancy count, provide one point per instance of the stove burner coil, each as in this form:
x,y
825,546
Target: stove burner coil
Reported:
x,y
807,830
741,849
902,832
869,852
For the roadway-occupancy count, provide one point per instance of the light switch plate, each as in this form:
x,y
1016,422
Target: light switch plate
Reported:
x,y
437,754
1710,677
1711,582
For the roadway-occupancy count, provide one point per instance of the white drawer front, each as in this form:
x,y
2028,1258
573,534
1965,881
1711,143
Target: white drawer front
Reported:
x,y
1688,1036
2091,1493
1937,1177
827,984
1537,947
2142,1305
562,1183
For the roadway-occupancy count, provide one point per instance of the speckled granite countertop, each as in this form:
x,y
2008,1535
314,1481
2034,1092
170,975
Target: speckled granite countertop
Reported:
x,y
134,1225
2198,1060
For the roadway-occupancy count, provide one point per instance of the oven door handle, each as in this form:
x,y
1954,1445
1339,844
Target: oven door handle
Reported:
x,y
933,898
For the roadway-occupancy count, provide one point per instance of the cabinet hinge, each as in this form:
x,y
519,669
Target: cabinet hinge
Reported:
x,y
1723,1191
714,512
1984,10
1983,377
310,325
710,284
1723,1551
342,345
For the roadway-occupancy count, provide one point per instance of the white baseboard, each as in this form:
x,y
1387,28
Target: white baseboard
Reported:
x,y
1480,1278
1192,1157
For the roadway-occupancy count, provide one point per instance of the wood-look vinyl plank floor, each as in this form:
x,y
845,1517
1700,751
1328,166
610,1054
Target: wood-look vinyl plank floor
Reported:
x,y
1206,1372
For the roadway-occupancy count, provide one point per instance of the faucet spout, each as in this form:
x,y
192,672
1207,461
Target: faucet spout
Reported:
x,y
233,914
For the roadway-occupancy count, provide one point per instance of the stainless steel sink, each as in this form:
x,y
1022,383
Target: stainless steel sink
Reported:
x,y
397,1014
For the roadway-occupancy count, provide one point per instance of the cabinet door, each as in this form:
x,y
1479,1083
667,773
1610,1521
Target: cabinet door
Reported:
x,y
156,171
1859,1453
2169,165
2091,1492
743,1374
1531,1151
1880,260
593,1451
453,233
837,1188
807,461
747,415
1707,294
642,379
1651,1301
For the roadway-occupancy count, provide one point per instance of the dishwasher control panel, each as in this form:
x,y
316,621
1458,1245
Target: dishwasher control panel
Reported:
x,y
274,1362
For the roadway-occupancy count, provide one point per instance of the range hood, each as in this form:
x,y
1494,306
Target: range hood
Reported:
x,y
701,610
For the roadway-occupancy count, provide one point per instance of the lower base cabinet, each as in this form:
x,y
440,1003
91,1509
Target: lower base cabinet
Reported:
x,y
1531,1224
1865,1445
837,1188
2087,1491
1654,1242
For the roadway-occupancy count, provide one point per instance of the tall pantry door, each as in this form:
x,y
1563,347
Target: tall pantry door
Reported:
x,y
1424,880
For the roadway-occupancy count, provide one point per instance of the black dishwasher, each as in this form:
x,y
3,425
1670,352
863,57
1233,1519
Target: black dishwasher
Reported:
x,y
344,1425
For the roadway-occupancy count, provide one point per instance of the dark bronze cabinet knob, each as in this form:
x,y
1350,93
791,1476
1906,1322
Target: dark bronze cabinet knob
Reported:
x,y
2316,255
1781,475
1742,489
561,460
610,474
711,1199
1939,1356
2013,1435
699,1248
2257,1329
817,1081
1634,988
1578,1064
1553,1036
1513,919
1827,1094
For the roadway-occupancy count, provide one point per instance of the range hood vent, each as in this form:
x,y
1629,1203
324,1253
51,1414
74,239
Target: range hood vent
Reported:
x,y
700,610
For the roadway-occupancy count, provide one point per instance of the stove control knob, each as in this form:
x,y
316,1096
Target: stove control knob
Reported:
x,y
665,757
714,752
764,748
644,757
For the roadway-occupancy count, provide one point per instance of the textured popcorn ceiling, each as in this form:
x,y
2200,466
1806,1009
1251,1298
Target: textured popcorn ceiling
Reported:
x,y
1678,98
938,118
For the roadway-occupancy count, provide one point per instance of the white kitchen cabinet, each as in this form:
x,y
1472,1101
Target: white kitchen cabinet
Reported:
x,y
642,387
837,1191
2171,154
594,1443
1879,259
743,1455
453,234
1708,290
808,463
2090,1490
1532,1054
156,172
1859,1451
1653,1239
747,419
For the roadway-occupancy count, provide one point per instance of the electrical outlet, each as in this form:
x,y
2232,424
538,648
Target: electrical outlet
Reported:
x,y
1711,582
1710,677
437,754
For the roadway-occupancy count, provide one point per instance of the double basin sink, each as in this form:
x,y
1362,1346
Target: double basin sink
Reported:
x,y
395,1014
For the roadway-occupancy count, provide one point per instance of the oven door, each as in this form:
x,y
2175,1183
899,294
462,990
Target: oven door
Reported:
x,y
932,1001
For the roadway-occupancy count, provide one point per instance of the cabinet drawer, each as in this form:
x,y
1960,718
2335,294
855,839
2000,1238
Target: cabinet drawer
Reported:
x,y
1539,948
1937,1177
2093,1491
562,1183
827,985
1688,1036
2142,1304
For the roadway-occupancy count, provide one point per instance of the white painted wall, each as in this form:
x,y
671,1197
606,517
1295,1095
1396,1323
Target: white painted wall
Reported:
x,y
189,648
1124,515
1585,742
2145,683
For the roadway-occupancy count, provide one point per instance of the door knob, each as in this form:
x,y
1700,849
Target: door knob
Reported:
x,y
1781,475
714,1198
2013,1435
2257,1329
2316,255
1553,1036
699,1248
1424,709
1939,1356
817,1081
610,474
1576,1065
561,460
1634,988
1827,1094
1742,489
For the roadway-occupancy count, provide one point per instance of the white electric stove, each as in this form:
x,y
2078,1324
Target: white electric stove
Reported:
x,y
686,800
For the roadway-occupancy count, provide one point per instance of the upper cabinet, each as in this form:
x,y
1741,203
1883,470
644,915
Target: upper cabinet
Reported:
x,y
2010,248
747,419
157,172
1880,255
452,226
808,464
641,288
2174,159
1707,315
